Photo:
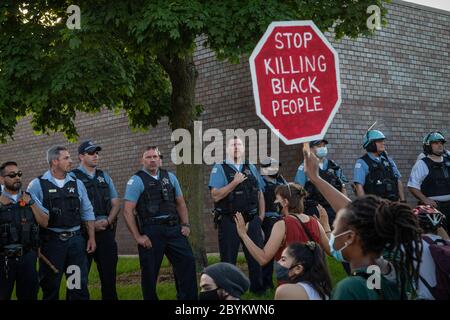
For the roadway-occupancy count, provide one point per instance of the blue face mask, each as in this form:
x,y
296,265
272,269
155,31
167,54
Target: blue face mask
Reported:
x,y
337,254
322,152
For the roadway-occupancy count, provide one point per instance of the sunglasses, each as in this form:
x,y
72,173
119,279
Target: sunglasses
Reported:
x,y
12,175
91,153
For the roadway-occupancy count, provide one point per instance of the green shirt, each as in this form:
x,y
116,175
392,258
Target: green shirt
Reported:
x,y
355,288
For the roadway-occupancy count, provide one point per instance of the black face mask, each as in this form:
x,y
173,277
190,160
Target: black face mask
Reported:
x,y
209,295
279,207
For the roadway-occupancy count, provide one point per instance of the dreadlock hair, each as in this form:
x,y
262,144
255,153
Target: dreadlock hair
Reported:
x,y
295,194
315,271
390,228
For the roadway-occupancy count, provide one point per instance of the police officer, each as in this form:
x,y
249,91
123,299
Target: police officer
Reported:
x,y
236,186
65,200
160,226
104,199
429,181
272,178
20,217
329,171
375,172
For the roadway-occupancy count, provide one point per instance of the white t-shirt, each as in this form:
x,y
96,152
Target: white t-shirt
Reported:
x,y
310,291
418,174
427,270
59,182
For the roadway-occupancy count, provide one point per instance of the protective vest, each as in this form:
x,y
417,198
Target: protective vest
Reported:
x,y
244,198
98,191
158,197
437,182
381,179
63,204
331,176
269,192
18,226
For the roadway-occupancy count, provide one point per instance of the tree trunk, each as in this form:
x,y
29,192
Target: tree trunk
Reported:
x,y
183,76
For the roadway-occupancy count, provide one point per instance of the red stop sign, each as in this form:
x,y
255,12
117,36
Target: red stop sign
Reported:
x,y
295,75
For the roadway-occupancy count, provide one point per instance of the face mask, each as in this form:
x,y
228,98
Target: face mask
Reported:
x,y
337,254
282,273
322,152
209,295
279,207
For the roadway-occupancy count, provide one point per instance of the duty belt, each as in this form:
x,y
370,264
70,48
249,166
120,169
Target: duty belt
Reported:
x,y
65,235
171,221
12,251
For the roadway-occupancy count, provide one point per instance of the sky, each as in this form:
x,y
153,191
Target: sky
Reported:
x,y
439,4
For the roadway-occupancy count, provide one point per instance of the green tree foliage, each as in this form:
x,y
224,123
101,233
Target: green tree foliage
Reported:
x,y
136,56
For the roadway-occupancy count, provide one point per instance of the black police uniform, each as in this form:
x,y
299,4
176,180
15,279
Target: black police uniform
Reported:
x,y
381,180
19,239
158,219
437,183
269,221
105,254
244,199
62,249
315,197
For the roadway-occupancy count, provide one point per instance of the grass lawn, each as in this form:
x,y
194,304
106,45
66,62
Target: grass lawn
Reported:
x,y
129,288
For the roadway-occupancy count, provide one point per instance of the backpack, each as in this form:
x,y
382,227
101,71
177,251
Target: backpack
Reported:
x,y
440,251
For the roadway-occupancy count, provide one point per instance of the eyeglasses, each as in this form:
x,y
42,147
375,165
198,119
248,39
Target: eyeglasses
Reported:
x,y
91,153
12,175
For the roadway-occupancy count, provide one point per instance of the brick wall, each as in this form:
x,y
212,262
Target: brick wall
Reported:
x,y
400,77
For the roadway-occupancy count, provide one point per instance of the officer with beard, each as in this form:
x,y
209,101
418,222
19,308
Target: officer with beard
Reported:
x,y
20,217
429,181
270,173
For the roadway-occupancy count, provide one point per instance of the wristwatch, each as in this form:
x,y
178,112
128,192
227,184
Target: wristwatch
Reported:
x,y
186,225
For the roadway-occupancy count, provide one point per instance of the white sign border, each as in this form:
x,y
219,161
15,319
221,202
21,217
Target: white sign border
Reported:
x,y
256,51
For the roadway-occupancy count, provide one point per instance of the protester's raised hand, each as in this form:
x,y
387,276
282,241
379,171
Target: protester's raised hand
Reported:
x,y
311,163
240,224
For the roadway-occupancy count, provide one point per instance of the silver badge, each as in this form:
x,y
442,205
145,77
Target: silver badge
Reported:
x,y
101,179
165,181
71,190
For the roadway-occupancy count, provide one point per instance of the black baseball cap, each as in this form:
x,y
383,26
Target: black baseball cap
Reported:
x,y
316,142
88,146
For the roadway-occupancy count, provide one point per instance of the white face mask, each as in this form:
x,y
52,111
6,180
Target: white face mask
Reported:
x,y
322,152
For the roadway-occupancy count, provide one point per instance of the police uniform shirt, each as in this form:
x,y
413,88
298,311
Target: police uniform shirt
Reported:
x,y
362,169
301,178
112,189
418,174
219,180
86,209
135,187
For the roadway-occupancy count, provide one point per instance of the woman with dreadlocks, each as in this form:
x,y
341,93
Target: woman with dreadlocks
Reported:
x,y
364,230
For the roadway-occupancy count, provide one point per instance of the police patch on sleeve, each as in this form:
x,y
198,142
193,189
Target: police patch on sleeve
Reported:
x,y
130,182
214,170
357,165
302,167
